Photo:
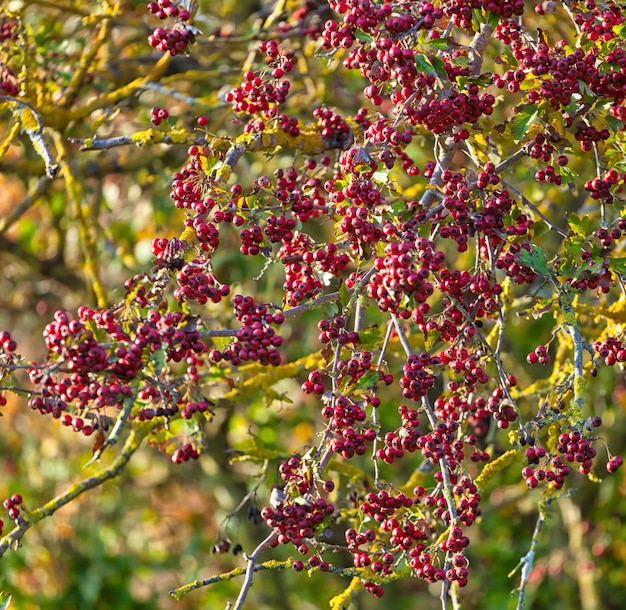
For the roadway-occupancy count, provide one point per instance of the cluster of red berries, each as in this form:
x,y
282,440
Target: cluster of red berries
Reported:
x,y
334,330
540,148
7,343
191,408
9,29
256,339
251,240
346,419
441,443
588,135
328,259
358,227
576,447
71,341
417,377
279,228
9,83
404,440
539,355
398,281
361,192
608,237
12,506
294,522
604,188
301,281
176,38
460,11
299,191
600,279
478,293
508,31
501,409
611,350
166,9
614,463
598,23
360,364
553,473
508,261
334,130
189,184
197,283
184,453
265,92
458,108
158,115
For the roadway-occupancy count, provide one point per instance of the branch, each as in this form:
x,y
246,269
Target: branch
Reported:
x,y
114,437
247,582
534,208
32,125
16,213
526,562
12,539
87,144
571,325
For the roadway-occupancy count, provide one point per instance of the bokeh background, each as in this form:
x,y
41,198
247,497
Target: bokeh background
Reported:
x,y
125,545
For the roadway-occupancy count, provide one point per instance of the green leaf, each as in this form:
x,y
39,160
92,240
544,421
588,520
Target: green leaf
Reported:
x,y
363,37
431,339
579,225
422,63
438,43
535,259
370,337
27,230
509,58
540,307
539,228
5,600
614,123
574,246
344,294
439,66
620,30
567,174
330,310
367,380
493,19
523,121
618,265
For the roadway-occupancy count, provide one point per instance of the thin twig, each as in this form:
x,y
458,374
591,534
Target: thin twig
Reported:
x,y
527,561
534,208
390,327
251,559
6,222
31,518
114,437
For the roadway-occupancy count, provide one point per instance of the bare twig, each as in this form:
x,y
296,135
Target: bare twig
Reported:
x,y
534,208
6,222
252,559
527,561
130,446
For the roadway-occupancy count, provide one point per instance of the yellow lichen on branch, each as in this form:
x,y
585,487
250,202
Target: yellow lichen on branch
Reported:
x,y
342,601
498,465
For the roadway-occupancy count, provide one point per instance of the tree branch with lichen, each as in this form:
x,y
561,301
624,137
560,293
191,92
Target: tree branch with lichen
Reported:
x,y
30,518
